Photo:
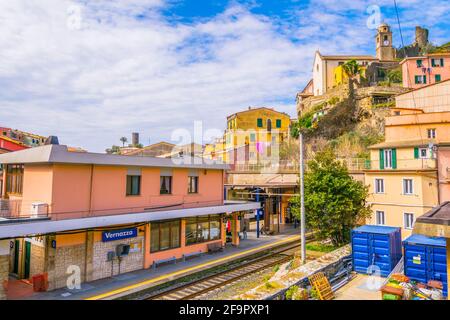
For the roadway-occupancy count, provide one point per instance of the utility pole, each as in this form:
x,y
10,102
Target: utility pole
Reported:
x,y
302,202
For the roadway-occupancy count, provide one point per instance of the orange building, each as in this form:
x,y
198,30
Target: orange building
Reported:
x,y
109,214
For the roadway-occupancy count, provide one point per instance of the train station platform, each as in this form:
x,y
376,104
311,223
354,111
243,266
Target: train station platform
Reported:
x,y
136,281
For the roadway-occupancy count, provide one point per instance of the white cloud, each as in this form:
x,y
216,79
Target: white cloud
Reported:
x,y
124,67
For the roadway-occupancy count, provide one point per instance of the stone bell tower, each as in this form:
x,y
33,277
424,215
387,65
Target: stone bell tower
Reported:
x,y
385,50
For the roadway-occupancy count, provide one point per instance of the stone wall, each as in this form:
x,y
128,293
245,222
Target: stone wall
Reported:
x,y
4,272
103,268
37,260
65,257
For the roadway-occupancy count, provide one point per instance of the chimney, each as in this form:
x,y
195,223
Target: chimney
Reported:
x,y
52,140
135,139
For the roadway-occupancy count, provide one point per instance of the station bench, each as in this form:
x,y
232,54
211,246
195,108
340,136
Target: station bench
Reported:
x,y
164,261
191,255
214,247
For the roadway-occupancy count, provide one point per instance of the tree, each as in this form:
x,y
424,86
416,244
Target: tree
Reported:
x,y
334,202
113,150
123,140
394,76
352,69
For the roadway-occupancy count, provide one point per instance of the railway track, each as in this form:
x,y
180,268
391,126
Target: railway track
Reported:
x,y
209,283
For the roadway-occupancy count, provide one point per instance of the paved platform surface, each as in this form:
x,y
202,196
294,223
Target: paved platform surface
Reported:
x,y
362,287
135,281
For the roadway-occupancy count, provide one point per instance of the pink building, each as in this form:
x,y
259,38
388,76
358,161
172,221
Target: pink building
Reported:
x,y
109,214
429,69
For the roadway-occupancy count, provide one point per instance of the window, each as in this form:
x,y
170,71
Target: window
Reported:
x,y
379,185
420,79
133,185
437,78
423,153
431,133
259,123
380,218
278,123
437,62
408,219
269,125
164,235
408,186
388,158
165,185
419,63
202,229
252,137
14,178
192,184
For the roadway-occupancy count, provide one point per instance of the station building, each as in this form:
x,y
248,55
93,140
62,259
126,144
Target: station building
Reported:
x,y
101,215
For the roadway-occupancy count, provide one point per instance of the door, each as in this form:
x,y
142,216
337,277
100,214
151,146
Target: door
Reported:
x,y
16,257
26,273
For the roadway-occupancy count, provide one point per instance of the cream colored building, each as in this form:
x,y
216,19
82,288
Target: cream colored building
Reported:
x,y
431,98
403,178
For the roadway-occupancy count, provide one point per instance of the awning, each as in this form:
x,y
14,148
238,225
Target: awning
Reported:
x,y
43,227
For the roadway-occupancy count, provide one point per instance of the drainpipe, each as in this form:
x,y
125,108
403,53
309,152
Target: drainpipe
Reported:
x,y
90,189
257,214
438,175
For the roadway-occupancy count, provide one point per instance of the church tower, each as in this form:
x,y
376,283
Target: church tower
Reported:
x,y
385,50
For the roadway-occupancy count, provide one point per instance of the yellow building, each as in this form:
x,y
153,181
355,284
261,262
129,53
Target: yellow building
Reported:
x,y
340,76
254,135
403,176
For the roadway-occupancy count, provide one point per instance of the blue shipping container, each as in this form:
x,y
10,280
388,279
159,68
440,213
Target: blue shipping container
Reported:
x,y
426,259
376,248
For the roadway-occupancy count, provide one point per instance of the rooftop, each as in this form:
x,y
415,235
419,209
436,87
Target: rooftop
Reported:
x,y
406,143
434,223
61,154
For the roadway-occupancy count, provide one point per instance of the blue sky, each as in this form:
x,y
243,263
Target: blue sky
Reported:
x,y
93,71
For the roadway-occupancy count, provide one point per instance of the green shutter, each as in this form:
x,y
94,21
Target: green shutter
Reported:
x,y
437,78
433,64
416,153
278,123
381,159
394,158
260,123
424,79
442,62
416,79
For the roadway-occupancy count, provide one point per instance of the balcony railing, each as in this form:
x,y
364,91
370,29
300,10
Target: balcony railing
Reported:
x,y
16,209
404,164
269,167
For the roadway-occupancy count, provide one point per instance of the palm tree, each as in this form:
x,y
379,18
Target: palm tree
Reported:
x,y
123,140
352,69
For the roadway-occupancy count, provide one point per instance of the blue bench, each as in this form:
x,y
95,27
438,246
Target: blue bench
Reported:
x,y
164,261
191,255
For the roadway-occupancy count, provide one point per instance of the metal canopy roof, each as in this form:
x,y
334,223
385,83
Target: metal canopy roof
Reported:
x,y
51,226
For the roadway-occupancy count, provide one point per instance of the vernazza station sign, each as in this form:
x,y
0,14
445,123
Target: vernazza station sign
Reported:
x,y
113,235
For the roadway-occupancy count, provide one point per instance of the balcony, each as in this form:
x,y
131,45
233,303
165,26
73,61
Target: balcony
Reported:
x,y
269,167
16,210
405,164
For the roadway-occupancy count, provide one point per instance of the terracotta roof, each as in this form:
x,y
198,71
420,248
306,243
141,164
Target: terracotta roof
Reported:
x,y
255,109
405,144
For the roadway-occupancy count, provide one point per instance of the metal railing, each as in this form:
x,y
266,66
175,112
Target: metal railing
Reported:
x,y
404,164
17,209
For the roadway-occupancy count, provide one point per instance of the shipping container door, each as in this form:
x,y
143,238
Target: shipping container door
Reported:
x,y
415,262
438,266
360,252
380,253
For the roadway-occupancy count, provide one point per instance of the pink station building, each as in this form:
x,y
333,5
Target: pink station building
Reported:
x,y
108,214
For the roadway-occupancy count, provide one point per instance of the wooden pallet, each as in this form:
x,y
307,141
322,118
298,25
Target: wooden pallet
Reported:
x,y
322,286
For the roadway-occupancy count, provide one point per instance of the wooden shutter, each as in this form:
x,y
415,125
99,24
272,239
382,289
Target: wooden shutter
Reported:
x,y
381,159
394,158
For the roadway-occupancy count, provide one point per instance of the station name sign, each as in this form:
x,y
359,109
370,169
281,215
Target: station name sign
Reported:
x,y
119,234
